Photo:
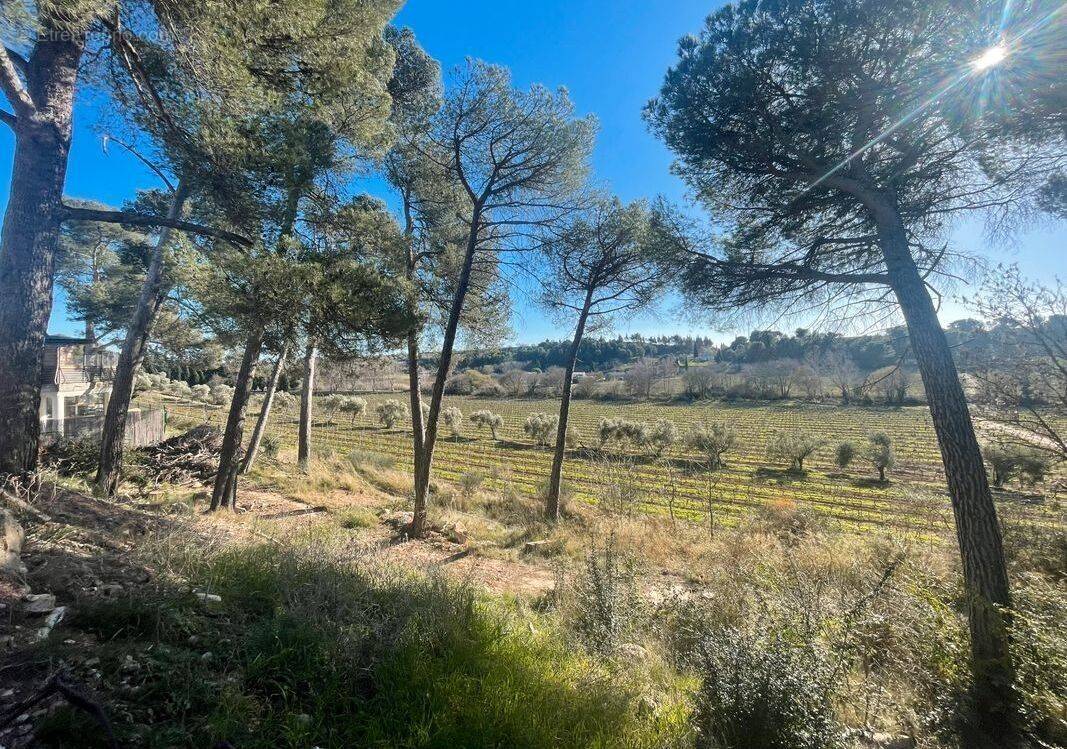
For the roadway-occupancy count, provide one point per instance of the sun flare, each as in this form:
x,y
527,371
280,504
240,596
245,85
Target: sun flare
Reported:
x,y
990,58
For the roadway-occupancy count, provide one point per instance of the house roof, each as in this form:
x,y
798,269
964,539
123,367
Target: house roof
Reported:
x,y
65,340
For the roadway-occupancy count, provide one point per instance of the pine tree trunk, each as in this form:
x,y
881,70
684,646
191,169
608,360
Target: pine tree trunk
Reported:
x,y
153,293
552,503
422,475
303,447
418,433
977,527
30,238
264,413
224,493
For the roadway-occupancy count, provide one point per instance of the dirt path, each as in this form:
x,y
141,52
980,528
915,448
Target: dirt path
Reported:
x,y
1018,433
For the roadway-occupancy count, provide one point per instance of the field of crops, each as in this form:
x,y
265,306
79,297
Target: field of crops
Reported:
x,y
678,482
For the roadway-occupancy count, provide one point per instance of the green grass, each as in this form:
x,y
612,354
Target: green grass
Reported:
x,y
357,517
303,651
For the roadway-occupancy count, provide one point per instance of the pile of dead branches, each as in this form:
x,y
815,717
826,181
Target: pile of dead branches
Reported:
x,y
74,457
186,459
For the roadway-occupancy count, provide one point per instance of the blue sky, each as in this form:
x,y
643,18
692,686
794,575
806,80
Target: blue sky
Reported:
x,y
611,55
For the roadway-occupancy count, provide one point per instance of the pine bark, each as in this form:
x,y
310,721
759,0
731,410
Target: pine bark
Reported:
x,y
978,530
307,393
552,503
153,293
30,238
264,413
224,493
422,474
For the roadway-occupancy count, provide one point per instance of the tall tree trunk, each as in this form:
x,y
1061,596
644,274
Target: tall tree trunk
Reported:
x,y
224,493
422,475
552,504
153,293
977,527
264,413
418,433
30,237
307,393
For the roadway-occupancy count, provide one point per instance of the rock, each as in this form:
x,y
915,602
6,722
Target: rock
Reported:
x,y
399,519
456,534
631,651
535,546
11,538
39,603
54,618
208,597
864,739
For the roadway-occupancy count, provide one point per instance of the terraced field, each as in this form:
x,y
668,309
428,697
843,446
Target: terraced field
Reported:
x,y
677,483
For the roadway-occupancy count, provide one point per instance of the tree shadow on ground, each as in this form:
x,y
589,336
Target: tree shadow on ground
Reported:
x,y
869,482
780,476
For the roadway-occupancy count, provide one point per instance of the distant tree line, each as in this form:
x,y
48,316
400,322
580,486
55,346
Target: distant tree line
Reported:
x,y
594,354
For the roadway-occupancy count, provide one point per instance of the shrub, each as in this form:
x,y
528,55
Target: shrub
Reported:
x,y
793,447
761,692
470,482
491,390
361,459
358,517
1013,461
270,446
712,440
488,420
201,393
284,399
221,394
880,453
786,520
844,455
606,607
468,382
390,412
453,419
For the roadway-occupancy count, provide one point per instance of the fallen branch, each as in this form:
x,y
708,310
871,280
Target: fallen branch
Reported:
x,y
57,685
295,513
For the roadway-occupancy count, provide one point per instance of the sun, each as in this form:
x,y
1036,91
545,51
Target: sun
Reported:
x,y
990,58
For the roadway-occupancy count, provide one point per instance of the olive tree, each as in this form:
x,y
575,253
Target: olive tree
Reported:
x,y
880,454
835,141
390,412
453,418
486,419
712,440
793,448
599,266
355,407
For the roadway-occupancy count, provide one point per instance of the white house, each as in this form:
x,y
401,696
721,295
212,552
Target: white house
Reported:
x,y
75,381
